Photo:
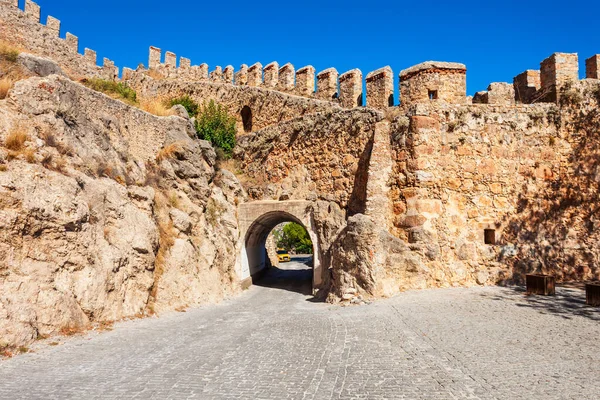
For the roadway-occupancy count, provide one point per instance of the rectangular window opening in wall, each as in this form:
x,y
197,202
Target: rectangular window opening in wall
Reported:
x,y
489,236
433,94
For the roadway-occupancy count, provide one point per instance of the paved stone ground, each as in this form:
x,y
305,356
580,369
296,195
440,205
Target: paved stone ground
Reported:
x,y
270,343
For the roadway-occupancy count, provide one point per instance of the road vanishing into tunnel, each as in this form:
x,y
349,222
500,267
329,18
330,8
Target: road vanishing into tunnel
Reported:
x,y
274,342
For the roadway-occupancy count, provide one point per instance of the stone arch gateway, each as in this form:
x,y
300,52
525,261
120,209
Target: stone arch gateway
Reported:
x,y
257,219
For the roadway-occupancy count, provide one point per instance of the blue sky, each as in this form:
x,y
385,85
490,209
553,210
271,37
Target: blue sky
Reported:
x,y
496,40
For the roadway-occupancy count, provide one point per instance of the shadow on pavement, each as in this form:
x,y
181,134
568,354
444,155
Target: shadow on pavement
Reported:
x,y
568,302
294,276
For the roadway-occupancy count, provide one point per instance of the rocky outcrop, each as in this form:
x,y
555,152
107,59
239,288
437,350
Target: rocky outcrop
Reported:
x,y
94,227
38,65
368,261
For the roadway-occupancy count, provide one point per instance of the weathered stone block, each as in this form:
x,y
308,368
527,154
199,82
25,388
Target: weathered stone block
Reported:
x,y
203,71
271,75
481,97
109,71
351,92
127,74
434,81
327,84
241,77
419,122
228,74
380,88
154,58
53,25
72,42
501,93
526,84
185,63
90,55
305,81
217,74
32,10
255,75
170,60
287,75
556,71
592,67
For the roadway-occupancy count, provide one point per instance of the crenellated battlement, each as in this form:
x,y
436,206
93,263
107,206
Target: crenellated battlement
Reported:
x,y
541,86
346,89
426,82
45,40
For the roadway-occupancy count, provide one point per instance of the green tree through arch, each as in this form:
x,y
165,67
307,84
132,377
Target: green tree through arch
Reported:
x,y
294,237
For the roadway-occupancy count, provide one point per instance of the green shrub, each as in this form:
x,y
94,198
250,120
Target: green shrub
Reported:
x,y
293,236
214,124
187,102
113,89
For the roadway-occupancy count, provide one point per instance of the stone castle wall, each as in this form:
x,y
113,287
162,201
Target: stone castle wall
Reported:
x,y
323,156
267,107
460,170
477,194
441,82
23,29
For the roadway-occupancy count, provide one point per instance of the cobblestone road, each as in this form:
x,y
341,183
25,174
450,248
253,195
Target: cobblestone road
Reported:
x,y
270,343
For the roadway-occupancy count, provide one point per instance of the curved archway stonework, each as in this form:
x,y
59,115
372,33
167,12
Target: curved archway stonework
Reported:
x,y
257,219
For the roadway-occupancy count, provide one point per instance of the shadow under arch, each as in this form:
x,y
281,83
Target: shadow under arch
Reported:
x,y
254,258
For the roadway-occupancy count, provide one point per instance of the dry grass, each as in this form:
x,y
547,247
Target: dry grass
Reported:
x,y
156,107
213,212
72,330
5,85
62,148
29,155
232,165
8,52
16,138
167,152
10,71
174,199
55,164
15,143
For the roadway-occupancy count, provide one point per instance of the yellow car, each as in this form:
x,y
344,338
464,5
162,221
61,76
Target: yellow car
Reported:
x,y
282,255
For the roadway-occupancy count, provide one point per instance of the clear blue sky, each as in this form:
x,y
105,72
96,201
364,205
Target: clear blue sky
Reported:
x,y
495,39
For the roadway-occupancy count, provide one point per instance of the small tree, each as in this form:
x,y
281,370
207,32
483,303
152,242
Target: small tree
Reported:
x,y
187,102
218,127
294,237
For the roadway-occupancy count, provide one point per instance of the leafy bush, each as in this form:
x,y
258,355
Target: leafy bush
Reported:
x,y
187,102
113,89
214,124
294,237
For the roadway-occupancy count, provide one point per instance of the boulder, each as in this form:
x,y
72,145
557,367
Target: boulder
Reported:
x,y
38,65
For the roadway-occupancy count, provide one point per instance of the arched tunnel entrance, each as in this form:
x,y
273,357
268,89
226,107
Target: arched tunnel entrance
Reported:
x,y
257,220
